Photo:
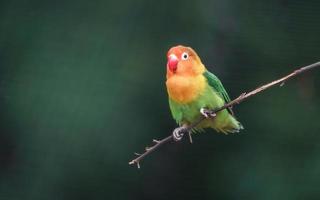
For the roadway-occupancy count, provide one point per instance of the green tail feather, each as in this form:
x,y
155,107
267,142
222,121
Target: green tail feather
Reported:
x,y
232,125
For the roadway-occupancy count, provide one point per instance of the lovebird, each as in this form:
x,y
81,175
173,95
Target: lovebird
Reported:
x,y
194,91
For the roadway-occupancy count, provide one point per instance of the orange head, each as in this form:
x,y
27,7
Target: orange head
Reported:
x,y
183,61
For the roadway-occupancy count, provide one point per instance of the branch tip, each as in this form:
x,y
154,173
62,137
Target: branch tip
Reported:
x,y
132,162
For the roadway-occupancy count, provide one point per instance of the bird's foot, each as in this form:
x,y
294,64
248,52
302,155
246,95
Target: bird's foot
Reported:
x,y
179,132
207,113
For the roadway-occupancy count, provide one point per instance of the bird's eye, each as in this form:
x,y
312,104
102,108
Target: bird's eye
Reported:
x,y
185,56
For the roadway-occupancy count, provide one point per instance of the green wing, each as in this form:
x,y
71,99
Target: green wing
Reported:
x,y
216,84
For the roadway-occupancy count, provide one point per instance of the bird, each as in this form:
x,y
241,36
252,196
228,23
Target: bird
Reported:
x,y
193,92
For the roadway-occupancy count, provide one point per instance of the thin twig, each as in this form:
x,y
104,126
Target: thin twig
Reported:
x,y
149,150
238,100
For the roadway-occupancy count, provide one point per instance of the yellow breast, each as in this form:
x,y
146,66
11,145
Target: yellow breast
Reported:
x,y
184,89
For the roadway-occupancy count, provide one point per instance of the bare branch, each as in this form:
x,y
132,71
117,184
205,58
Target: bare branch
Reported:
x,y
149,150
238,100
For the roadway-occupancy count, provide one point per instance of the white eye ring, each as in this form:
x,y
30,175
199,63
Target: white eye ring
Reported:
x,y
185,56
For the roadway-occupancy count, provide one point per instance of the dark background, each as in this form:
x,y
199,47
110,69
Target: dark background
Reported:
x,y
82,87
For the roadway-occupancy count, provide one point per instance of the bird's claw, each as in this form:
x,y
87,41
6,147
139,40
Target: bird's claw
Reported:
x,y
207,113
178,133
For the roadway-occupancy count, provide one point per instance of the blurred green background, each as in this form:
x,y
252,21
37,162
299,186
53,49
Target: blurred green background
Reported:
x,y
82,87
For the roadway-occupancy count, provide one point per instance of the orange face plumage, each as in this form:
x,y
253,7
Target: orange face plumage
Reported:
x,y
183,61
185,80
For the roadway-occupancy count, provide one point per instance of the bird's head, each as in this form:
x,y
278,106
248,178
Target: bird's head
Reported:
x,y
183,61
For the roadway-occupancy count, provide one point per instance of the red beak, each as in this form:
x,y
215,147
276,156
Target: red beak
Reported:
x,y
172,63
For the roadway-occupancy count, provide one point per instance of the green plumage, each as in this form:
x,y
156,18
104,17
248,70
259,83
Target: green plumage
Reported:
x,y
213,96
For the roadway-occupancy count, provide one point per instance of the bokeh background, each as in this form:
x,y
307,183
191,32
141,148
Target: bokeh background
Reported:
x,y
82,87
